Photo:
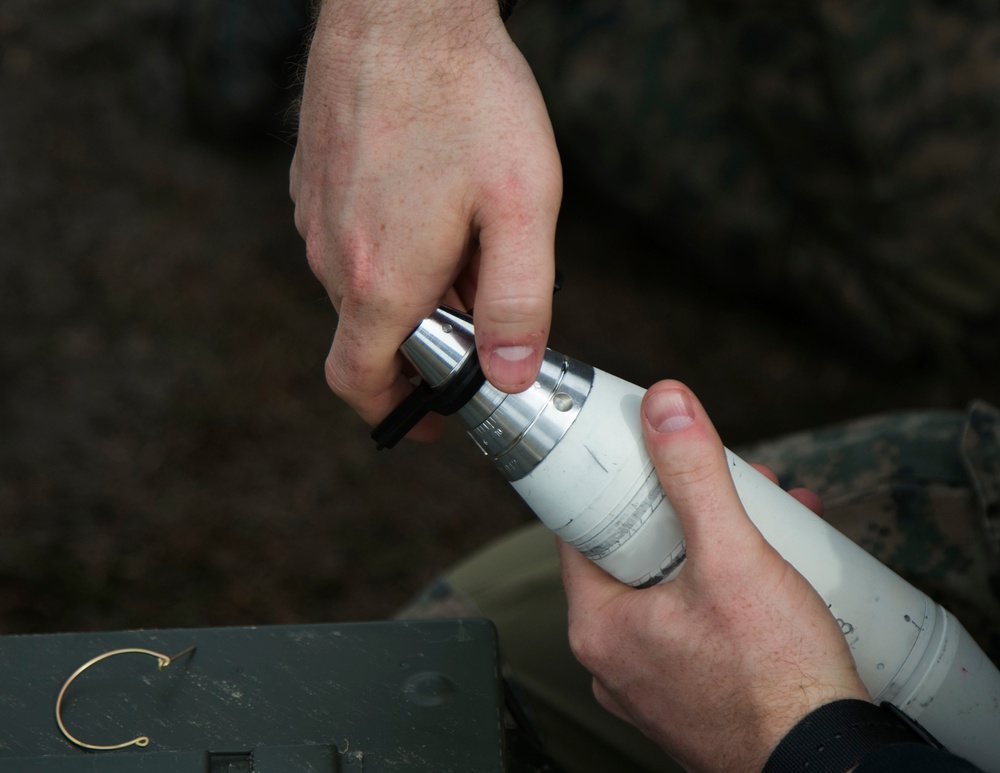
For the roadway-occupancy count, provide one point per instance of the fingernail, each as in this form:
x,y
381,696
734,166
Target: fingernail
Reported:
x,y
512,366
669,410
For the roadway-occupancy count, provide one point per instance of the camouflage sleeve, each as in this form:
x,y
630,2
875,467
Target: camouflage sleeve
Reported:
x,y
919,491
839,156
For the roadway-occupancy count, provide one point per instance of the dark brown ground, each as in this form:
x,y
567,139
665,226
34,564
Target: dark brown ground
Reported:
x,y
169,452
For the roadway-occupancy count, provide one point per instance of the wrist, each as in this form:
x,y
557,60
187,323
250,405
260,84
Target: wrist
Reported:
x,y
361,37
362,18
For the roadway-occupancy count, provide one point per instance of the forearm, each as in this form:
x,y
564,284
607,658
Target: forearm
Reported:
x,y
364,18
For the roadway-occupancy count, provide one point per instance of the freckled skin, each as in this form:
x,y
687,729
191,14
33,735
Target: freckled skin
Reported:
x,y
719,664
425,173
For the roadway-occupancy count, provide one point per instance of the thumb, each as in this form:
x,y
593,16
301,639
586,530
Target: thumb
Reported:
x,y
513,307
694,472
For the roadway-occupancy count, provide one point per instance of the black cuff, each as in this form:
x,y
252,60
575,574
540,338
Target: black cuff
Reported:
x,y
837,736
506,8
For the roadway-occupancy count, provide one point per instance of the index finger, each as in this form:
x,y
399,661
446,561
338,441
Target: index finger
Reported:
x,y
365,369
588,587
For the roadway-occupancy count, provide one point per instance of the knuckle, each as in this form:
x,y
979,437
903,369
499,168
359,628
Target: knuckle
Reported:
x,y
347,371
513,309
357,374
294,177
697,472
693,471
338,377
587,644
541,189
356,267
345,263
604,697
314,257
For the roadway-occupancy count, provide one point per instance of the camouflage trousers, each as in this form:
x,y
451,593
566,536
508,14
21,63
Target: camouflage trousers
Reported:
x,y
839,156
921,491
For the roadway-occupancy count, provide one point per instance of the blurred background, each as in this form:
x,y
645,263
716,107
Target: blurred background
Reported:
x,y
170,455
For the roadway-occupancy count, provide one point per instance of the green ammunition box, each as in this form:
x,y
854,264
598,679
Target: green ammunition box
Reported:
x,y
356,697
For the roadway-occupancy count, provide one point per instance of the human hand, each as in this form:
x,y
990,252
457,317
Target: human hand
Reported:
x,y
425,173
719,664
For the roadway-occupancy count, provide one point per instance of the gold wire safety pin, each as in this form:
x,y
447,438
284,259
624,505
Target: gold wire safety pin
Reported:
x,y
162,662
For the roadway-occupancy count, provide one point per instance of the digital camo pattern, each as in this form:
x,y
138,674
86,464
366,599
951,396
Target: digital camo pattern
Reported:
x,y
921,492
841,155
